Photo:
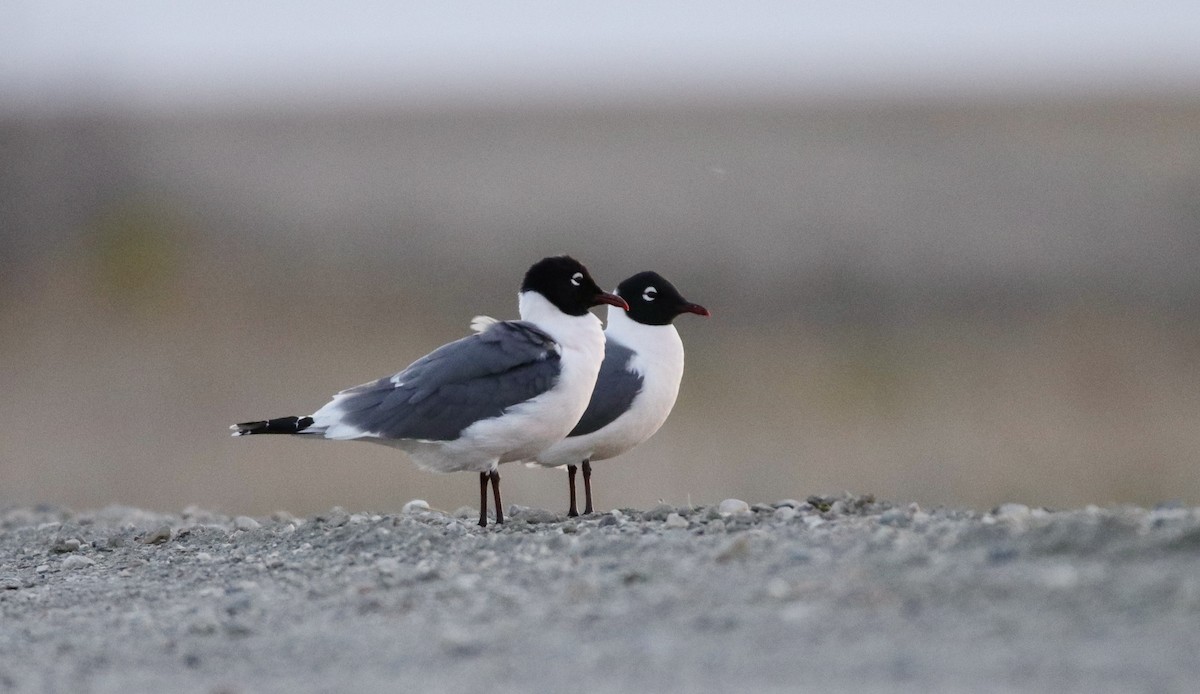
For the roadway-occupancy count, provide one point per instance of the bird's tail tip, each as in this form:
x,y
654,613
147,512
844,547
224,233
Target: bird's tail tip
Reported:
x,y
279,425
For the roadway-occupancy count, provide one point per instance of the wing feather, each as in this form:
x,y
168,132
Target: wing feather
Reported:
x,y
616,387
456,385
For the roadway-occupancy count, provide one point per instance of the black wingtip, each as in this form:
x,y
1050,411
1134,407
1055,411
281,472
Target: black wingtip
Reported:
x,y
280,425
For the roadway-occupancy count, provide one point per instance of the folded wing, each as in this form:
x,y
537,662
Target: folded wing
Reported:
x,y
615,390
451,388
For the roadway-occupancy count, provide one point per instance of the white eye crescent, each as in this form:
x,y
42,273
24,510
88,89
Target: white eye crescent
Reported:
x,y
576,278
649,294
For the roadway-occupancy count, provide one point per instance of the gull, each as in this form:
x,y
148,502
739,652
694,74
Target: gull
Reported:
x,y
638,381
499,395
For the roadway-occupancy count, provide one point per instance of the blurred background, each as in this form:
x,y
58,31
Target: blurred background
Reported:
x,y
951,248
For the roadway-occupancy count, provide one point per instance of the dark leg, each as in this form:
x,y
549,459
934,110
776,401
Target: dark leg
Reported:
x,y
483,482
571,470
587,486
495,475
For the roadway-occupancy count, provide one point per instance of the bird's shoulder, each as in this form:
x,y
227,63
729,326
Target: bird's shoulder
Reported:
x,y
516,335
500,347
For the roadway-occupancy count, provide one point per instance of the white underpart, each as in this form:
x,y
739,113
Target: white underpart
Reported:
x,y
524,430
658,358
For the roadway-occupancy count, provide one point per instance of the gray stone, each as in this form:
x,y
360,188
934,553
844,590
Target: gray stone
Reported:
x,y
729,507
783,514
415,506
895,517
658,513
77,561
1012,512
157,536
61,545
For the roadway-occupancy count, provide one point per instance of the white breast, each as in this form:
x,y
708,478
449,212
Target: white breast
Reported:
x,y
658,358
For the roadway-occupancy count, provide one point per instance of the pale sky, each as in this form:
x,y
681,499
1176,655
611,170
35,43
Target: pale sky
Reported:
x,y
224,54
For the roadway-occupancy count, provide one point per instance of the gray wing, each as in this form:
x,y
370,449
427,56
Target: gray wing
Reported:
x,y
616,387
456,385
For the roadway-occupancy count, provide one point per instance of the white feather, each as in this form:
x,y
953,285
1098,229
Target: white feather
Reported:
x,y
658,358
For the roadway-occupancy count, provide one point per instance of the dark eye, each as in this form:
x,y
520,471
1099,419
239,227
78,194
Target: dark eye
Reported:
x,y
649,294
577,278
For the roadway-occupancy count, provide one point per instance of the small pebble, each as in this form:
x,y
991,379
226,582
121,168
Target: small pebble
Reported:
x,y
388,565
157,536
204,624
532,515
68,545
76,561
658,513
337,517
895,517
415,506
674,520
1012,512
246,523
729,507
784,514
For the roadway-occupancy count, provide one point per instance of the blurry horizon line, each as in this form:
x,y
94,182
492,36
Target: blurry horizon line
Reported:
x,y
293,106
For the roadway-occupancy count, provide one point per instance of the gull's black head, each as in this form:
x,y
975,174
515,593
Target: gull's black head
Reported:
x,y
655,301
565,282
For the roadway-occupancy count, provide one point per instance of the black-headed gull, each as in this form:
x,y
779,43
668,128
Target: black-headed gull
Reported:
x,y
638,381
503,394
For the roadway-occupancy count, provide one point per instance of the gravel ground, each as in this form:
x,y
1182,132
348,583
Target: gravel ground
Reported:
x,y
829,594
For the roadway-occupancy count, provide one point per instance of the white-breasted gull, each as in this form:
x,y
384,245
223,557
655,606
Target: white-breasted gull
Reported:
x,y
499,395
638,382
